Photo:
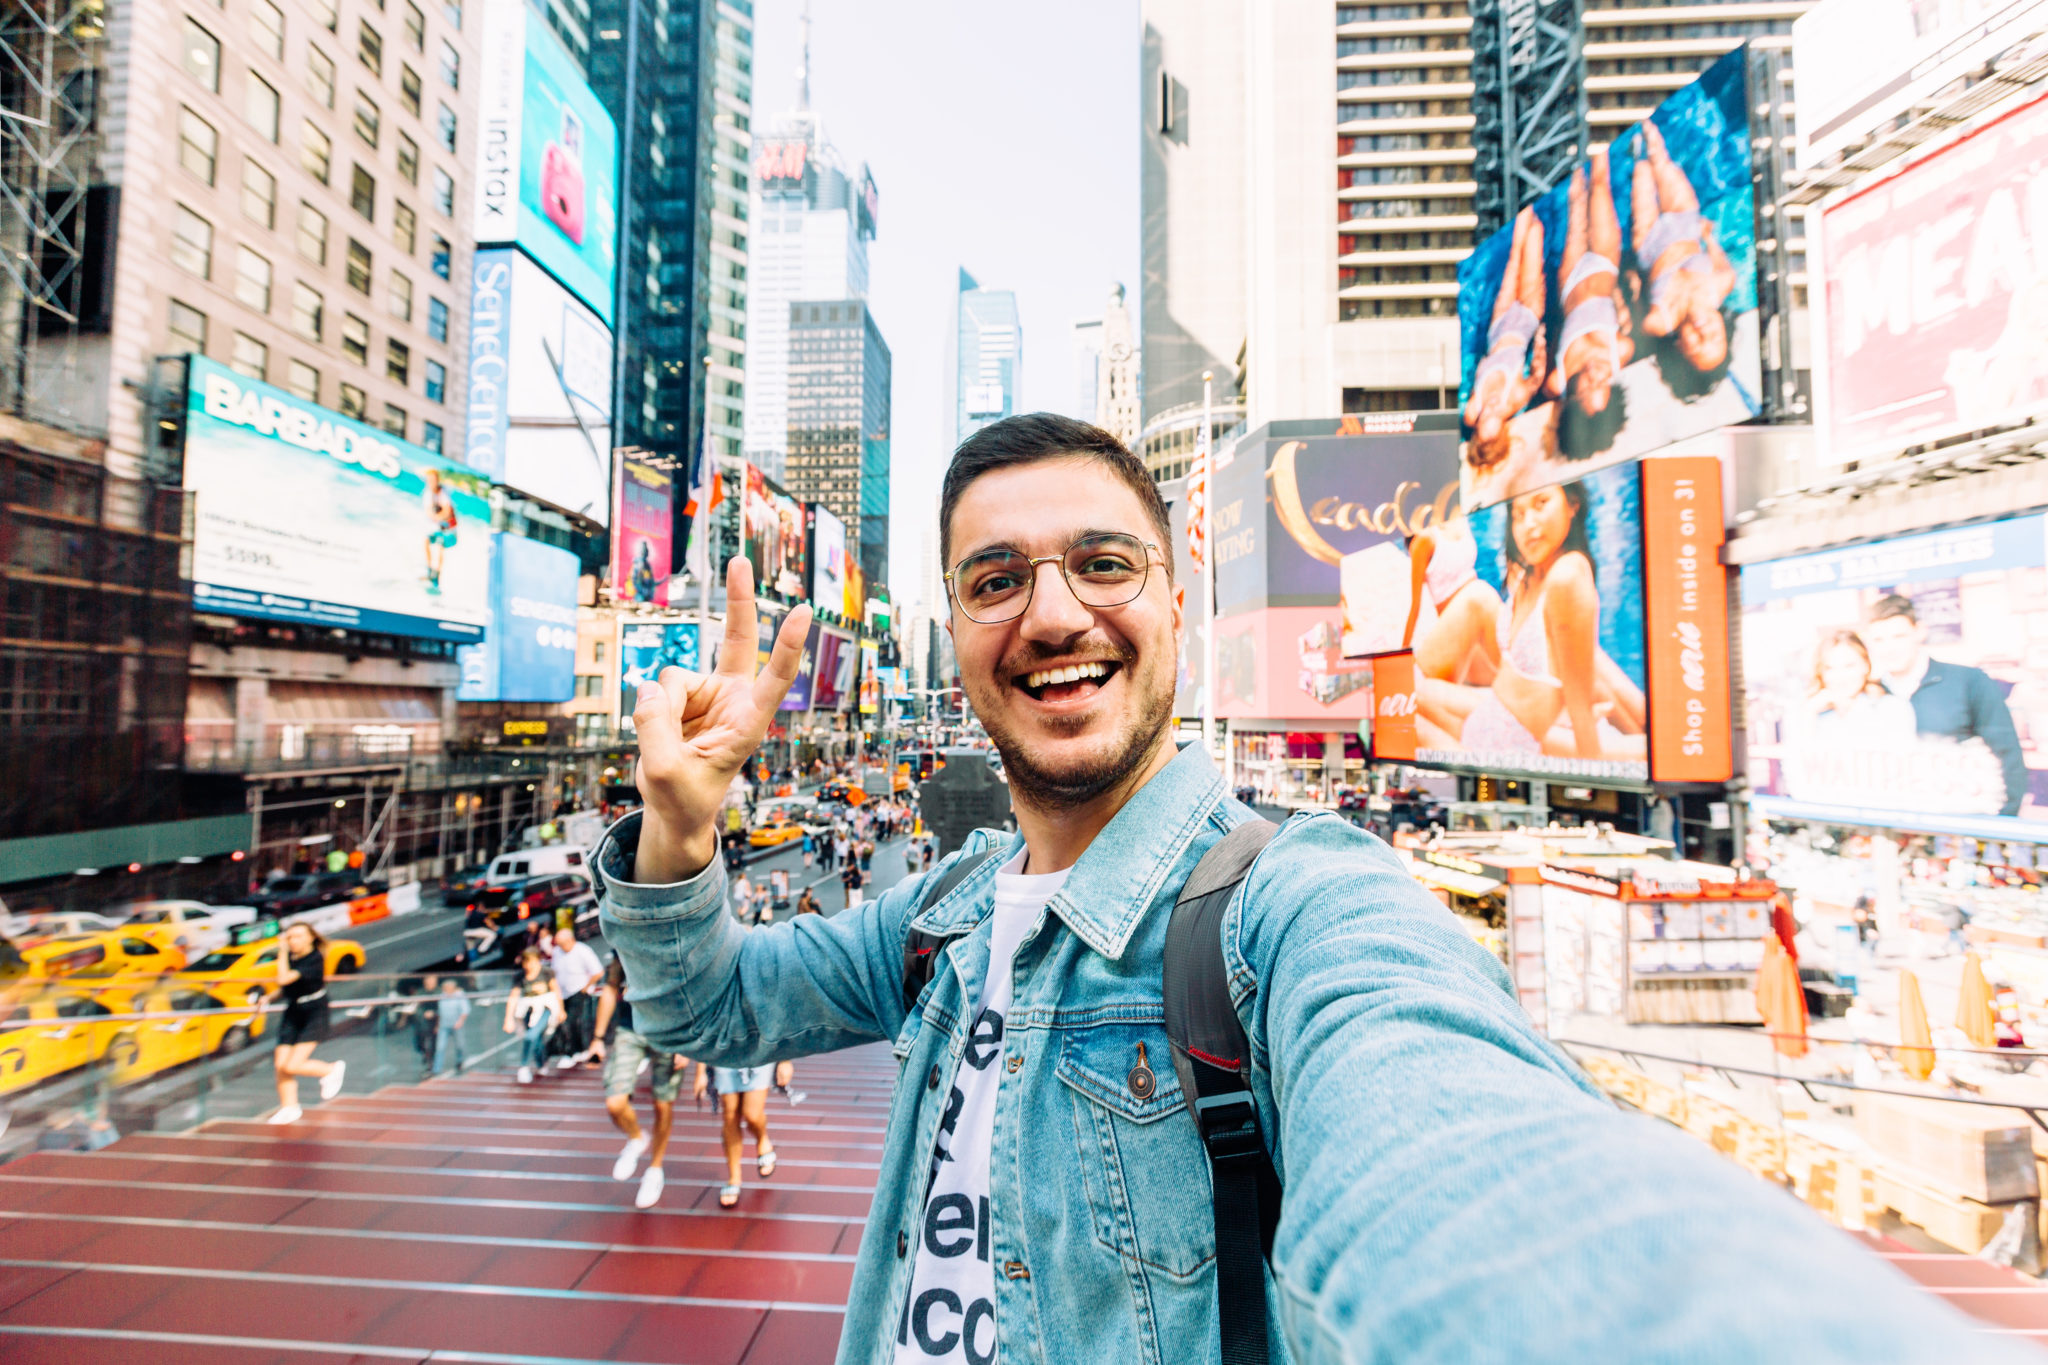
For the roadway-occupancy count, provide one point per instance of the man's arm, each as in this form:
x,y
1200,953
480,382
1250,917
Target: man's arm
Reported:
x,y
1456,1190
1991,718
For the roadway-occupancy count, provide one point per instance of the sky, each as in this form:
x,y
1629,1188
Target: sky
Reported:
x,y
1003,139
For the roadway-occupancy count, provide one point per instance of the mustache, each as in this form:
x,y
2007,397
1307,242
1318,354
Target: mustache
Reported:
x,y
1033,656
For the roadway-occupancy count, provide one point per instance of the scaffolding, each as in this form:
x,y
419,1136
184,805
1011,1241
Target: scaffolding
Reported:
x,y
1528,102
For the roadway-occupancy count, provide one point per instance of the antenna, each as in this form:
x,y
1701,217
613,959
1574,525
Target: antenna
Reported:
x,y
803,71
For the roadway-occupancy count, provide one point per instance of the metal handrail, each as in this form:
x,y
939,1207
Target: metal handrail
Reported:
x,y
270,1005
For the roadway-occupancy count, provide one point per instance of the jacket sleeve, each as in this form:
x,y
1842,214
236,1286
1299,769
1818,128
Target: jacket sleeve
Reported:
x,y
704,986
1456,1190
1991,717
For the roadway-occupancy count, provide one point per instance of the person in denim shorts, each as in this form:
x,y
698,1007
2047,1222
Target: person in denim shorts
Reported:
x,y
625,1052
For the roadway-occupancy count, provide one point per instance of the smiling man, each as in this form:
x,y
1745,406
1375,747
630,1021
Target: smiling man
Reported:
x,y
1454,1190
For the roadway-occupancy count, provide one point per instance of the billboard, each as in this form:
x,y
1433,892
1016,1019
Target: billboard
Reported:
x,y
832,671
642,530
1898,683
798,698
1686,621
773,524
548,157
646,649
870,681
1933,286
530,651
1618,313
540,388
828,560
304,515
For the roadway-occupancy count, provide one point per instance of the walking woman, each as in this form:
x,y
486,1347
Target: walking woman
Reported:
x,y
742,1098
535,1006
302,985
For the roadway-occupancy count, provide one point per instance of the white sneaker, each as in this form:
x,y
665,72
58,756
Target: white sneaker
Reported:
x,y
650,1189
291,1113
526,1075
629,1159
567,1062
330,1084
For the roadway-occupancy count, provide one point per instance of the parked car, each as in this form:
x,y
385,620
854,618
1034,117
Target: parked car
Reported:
x,y
195,926
294,892
457,887
536,862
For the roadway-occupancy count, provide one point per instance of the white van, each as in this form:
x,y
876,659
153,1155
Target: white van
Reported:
x,y
538,862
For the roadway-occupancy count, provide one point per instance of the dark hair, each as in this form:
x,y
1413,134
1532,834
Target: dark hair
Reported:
x,y
1574,539
1894,604
1031,437
1580,434
319,943
1688,382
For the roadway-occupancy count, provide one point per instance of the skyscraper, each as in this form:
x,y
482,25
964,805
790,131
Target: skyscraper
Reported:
x,y
838,433
984,358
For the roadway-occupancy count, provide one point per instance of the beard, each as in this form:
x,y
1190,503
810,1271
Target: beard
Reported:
x,y
1039,782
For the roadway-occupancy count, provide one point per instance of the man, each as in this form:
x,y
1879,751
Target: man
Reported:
x,y
576,973
451,1013
1454,1189
624,1055
1953,701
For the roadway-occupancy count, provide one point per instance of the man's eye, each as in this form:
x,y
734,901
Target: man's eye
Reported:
x,y
995,585
1106,565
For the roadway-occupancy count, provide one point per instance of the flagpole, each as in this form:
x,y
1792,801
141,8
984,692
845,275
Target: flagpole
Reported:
x,y
707,478
1208,475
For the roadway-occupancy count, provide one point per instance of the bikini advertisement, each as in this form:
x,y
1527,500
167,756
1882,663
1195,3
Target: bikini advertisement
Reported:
x,y
1898,683
1618,313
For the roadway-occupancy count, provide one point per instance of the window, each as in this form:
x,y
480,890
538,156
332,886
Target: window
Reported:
x,y
259,195
408,159
397,361
351,403
369,118
362,194
201,56
309,311
316,153
355,338
451,66
446,127
437,319
430,436
252,279
259,106
302,381
409,90
312,233
437,382
597,651
198,144
451,10
320,75
188,327
400,300
404,226
327,12
250,357
358,267
370,48
441,255
394,420
266,28
415,27
444,192
192,243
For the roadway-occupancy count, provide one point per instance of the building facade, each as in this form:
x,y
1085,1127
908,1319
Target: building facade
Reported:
x,y
838,434
984,359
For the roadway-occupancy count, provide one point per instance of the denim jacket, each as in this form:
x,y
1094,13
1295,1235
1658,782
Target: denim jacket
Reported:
x,y
1455,1189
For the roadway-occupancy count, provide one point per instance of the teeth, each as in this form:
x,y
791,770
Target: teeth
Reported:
x,y
1045,677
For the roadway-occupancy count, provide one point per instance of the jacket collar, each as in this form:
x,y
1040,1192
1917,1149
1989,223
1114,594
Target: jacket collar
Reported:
x,y
1109,890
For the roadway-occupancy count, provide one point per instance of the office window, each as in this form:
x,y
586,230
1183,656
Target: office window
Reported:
x,y
316,153
444,192
451,66
259,195
440,256
327,12
260,107
415,27
451,10
409,90
437,382
404,226
369,118
370,47
309,311
445,125
351,403
201,56
302,381
408,159
312,233
198,144
250,357
266,28
362,194
320,76
399,301
397,361
355,338
437,319
252,279
394,420
192,243
597,651
358,267
430,436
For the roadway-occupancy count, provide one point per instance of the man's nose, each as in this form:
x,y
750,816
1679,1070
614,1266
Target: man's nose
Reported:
x,y
1055,615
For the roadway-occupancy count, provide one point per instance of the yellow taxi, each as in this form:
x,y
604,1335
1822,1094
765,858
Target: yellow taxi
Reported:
x,y
111,953
187,1025
48,1033
774,833
246,970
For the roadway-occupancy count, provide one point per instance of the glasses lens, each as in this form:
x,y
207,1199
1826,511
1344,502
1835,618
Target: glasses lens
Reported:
x,y
1107,570
993,585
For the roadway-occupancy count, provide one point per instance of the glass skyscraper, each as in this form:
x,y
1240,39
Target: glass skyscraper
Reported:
x,y
839,422
984,359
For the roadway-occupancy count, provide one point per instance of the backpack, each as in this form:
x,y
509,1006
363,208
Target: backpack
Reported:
x,y
1213,1059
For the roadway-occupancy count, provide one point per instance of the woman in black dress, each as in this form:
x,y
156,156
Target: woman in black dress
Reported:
x,y
302,985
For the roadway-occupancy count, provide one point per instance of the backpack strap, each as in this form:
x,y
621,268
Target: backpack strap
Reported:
x,y
920,949
1213,1058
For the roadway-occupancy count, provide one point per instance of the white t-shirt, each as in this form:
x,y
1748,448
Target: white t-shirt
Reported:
x,y
953,1285
575,969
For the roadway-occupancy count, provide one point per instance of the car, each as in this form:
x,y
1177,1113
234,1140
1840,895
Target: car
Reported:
x,y
115,952
246,970
536,862
38,925
538,897
47,1034
458,886
310,890
774,833
191,1024
194,925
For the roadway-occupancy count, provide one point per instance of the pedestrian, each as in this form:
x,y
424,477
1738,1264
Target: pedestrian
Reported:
x,y
625,1052
810,849
451,1014
839,847
910,858
742,1098
867,855
576,971
302,985
806,903
930,843
743,900
778,894
852,880
533,1009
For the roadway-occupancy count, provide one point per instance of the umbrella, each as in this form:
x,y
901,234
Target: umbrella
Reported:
x,y
1916,1051
1973,1009
1781,999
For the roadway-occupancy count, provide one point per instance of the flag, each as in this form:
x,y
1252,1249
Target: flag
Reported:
x,y
1198,500
705,495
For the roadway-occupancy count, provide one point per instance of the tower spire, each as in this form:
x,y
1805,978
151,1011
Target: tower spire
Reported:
x,y
803,71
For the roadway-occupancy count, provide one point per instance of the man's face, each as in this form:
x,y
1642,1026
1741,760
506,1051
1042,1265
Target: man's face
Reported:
x,y
565,940
1066,741
1894,644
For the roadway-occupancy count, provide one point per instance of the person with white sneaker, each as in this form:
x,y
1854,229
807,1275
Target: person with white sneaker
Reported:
x,y
576,970
625,1055
535,1007
302,985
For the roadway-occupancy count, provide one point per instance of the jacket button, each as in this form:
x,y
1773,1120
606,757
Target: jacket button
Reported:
x,y
1016,1060
932,1081
902,1244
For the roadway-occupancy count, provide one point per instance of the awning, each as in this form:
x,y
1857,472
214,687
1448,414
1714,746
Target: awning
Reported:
x,y
1450,879
325,703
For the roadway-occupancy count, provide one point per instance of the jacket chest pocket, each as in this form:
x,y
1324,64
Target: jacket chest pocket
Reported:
x,y
1141,1160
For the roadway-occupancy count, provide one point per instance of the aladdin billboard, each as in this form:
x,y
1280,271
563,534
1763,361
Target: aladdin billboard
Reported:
x,y
642,531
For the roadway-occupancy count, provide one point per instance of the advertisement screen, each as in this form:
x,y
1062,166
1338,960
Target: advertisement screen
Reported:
x,y
1618,313
304,515
549,180
1934,280
870,681
832,672
1894,683
828,560
529,653
774,537
641,533
800,692
644,650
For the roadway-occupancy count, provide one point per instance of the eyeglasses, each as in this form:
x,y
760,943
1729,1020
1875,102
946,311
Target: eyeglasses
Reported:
x,y
1103,570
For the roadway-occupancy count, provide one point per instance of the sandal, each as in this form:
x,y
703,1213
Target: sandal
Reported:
x,y
766,1163
729,1196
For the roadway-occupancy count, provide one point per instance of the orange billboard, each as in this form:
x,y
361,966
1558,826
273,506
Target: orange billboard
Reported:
x,y
1393,712
1686,619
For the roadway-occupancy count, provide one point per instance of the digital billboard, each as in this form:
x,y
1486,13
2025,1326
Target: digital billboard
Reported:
x,y
1898,683
529,652
540,386
305,515
832,671
647,648
828,560
870,681
1618,313
548,156
774,530
798,698
642,530
1934,282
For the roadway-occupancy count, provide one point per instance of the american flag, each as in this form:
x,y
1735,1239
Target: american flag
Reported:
x,y
1198,500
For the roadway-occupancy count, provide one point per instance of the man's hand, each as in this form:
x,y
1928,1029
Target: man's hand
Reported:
x,y
597,1048
698,730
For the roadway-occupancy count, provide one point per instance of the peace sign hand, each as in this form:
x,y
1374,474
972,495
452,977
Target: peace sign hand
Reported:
x,y
698,730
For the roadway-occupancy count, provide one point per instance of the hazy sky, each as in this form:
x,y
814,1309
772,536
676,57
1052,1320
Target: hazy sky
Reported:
x,y
1003,138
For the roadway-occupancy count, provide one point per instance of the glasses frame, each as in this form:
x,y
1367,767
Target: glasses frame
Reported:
x,y
1031,577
